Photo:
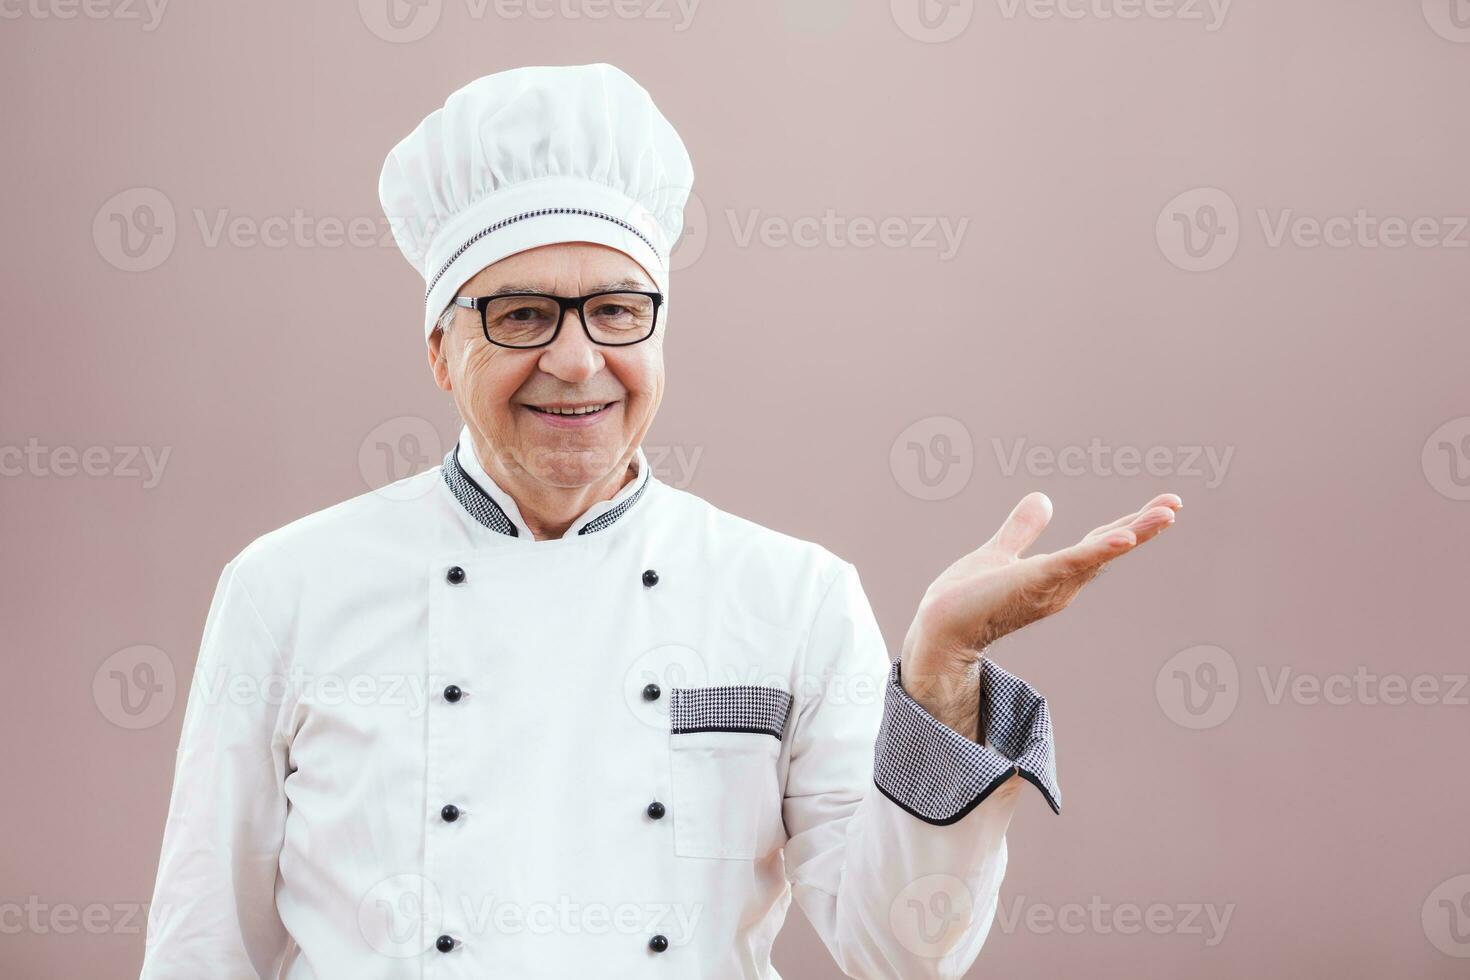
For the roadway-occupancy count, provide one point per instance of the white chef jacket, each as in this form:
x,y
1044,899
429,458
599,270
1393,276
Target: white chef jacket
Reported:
x,y
421,743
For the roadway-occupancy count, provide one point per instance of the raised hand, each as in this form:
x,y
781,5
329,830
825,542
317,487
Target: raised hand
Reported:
x,y
993,591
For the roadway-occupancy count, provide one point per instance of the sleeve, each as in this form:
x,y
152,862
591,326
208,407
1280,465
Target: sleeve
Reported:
x,y
214,912
896,822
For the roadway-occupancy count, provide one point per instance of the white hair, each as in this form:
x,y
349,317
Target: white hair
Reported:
x,y
445,321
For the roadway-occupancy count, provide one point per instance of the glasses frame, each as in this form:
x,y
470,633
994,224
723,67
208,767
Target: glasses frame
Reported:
x,y
578,303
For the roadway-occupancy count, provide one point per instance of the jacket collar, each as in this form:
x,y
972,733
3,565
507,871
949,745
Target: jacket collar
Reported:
x,y
491,506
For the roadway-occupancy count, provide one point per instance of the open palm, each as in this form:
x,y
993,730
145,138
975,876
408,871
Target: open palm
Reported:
x,y
995,590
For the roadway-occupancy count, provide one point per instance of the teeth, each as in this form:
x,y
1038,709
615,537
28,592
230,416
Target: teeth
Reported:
x,y
584,410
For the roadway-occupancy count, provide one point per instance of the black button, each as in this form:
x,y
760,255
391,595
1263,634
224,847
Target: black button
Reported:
x,y
450,813
658,944
444,943
656,810
651,692
455,575
650,578
452,693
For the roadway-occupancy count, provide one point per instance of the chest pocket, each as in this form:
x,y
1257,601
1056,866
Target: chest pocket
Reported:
x,y
725,745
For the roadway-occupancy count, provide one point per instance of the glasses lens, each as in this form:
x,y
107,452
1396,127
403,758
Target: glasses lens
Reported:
x,y
521,321
620,318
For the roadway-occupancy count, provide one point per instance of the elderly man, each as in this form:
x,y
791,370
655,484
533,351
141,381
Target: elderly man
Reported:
x,y
534,713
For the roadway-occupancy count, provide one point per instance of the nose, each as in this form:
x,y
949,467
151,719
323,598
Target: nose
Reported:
x,y
572,356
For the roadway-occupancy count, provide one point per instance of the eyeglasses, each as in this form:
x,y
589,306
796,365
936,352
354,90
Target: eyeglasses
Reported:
x,y
524,320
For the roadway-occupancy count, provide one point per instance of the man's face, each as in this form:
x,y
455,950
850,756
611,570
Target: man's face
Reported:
x,y
503,394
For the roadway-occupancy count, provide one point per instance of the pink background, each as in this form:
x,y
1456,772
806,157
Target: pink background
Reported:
x,y
1335,539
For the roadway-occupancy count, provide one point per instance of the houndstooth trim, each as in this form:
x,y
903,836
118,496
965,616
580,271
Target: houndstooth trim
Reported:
x,y
729,708
473,498
939,775
483,508
603,520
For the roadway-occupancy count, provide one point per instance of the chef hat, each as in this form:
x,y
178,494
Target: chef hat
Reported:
x,y
535,156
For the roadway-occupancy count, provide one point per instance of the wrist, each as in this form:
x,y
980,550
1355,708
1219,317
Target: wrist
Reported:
x,y
950,693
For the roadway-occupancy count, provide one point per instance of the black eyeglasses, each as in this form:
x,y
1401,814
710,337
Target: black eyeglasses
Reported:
x,y
524,320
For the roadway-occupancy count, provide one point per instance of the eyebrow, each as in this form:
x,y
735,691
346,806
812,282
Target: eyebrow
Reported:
x,y
606,287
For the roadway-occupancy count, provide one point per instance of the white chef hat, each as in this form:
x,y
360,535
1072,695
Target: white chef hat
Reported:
x,y
536,156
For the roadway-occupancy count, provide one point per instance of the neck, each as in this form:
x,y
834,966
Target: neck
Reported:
x,y
548,510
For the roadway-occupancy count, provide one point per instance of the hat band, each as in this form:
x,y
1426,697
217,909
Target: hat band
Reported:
x,y
534,214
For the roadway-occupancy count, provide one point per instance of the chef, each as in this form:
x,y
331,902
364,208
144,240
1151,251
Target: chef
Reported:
x,y
536,714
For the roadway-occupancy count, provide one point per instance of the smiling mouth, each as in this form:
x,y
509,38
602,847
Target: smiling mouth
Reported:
x,y
572,411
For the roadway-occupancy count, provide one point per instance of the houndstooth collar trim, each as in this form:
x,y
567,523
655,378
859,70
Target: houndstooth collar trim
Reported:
x,y
494,508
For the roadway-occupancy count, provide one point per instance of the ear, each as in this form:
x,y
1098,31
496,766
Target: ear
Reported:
x,y
439,360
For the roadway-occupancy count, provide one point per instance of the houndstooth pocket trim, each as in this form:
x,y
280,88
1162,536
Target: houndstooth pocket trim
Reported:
x,y
729,708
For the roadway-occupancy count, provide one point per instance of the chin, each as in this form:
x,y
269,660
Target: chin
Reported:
x,y
567,468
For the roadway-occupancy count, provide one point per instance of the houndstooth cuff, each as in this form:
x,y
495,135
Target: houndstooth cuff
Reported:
x,y
939,775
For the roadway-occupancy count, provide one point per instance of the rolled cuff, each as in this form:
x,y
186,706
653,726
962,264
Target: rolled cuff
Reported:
x,y
939,775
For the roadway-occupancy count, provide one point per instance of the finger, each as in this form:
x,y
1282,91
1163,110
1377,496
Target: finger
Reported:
x,y
1151,523
1085,555
1094,552
1169,500
1123,521
1024,525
